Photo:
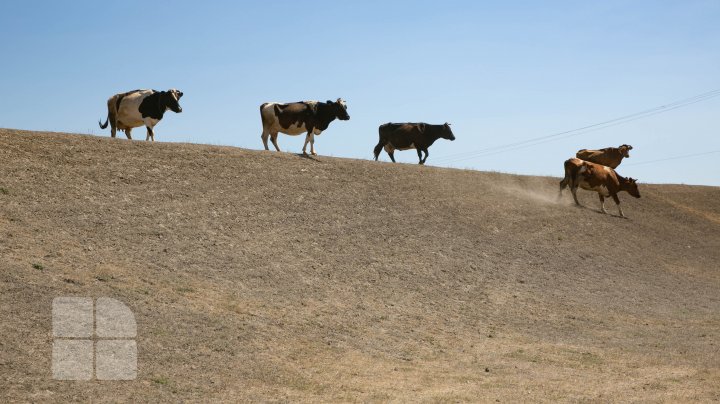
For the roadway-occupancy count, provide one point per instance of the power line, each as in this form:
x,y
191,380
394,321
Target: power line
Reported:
x,y
585,129
671,158
579,131
538,142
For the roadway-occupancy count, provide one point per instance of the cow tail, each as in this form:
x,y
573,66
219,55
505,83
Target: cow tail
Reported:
x,y
378,148
568,168
104,125
262,114
570,173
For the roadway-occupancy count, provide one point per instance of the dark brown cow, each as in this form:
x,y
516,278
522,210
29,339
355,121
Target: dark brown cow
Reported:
x,y
406,136
295,118
609,156
599,178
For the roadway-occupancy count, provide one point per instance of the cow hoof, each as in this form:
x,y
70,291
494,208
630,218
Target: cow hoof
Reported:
x,y
313,153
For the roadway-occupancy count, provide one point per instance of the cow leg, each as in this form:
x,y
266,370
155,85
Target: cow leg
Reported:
x,y
390,150
312,145
113,122
573,189
419,152
307,140
112,118
564,184
617,202
150,134
273,137
602,204
310,138
426,156
264,138
127,133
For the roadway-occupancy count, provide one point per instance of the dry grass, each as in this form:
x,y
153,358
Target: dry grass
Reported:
x,y
260,276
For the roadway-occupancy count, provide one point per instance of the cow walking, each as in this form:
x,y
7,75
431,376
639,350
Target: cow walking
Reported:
x,y
599,178
311,117
609,156
406,136
140,107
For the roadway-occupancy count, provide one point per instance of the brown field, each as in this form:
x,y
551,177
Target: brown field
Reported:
x,y
263,276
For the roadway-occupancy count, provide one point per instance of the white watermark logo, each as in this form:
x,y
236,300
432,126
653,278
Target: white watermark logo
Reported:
x,y
92,339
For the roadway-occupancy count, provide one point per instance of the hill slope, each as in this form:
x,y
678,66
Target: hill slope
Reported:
x,y
261,275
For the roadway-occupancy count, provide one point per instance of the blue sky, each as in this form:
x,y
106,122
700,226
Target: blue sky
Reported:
x,y
500,72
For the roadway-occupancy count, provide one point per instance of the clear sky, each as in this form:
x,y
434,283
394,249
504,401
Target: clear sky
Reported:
x,y
500,72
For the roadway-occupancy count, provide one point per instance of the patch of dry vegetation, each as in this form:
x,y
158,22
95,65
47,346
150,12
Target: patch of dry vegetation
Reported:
x,y
269,277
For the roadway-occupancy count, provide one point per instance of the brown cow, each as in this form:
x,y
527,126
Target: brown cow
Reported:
x,y
599,178
609,156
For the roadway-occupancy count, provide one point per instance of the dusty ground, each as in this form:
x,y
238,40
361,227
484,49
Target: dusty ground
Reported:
x,y
267,276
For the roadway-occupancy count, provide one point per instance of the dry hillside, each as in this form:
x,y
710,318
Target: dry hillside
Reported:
x,y
266,276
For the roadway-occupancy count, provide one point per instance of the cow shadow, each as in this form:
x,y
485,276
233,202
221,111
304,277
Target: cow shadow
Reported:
x,y
599,212
308,157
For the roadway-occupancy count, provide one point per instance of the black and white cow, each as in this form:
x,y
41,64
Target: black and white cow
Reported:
x,y
140,107
311,117
405,136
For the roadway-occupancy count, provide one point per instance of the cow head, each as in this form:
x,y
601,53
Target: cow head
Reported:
x,y
340,109
631,187
447,132
171,100
625,150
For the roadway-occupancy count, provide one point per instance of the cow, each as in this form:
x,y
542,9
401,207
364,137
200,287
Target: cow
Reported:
x,y
609,156
140,107
311,117
599,178
405,136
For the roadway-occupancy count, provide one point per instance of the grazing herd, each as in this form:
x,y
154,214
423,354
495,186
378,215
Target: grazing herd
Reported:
x,y
592,170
